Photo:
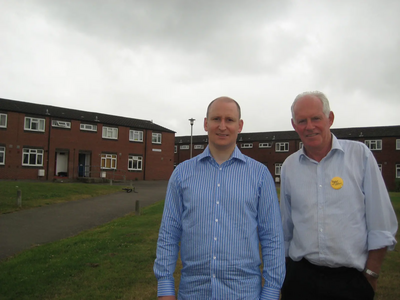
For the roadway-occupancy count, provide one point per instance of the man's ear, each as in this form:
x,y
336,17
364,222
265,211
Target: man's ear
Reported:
x,y
331,118
293,125
240,126
205,124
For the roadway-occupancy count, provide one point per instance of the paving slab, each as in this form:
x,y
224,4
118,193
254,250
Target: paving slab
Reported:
x,y
27,228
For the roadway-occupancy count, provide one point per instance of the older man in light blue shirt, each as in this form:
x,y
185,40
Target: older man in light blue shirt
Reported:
x,y
337,216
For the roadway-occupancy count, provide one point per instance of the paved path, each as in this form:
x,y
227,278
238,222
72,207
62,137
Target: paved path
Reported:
x,y
27,228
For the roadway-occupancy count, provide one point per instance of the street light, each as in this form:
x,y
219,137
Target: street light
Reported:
x,y
191,135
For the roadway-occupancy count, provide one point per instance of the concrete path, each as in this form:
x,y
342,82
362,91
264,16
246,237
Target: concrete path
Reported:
x,y
27,228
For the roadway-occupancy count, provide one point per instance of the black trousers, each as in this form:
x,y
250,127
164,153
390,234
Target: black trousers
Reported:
x,y
305,281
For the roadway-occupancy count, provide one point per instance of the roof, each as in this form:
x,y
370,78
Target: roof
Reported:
x,y
73,114
340,133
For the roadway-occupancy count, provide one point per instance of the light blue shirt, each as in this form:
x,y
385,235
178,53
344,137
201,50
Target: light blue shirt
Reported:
x,y
333,224
220,214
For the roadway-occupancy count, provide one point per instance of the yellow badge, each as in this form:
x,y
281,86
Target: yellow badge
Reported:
x,y
337,183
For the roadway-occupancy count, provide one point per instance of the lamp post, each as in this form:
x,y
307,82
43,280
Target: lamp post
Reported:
x,y
191,135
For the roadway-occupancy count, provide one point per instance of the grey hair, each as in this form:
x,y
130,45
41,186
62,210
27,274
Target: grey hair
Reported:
x,y
321,96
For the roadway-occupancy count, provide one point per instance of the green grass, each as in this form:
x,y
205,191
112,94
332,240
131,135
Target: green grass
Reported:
x,y
36,194
115,261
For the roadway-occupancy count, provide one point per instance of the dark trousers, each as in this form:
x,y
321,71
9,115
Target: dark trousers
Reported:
x,y
310,282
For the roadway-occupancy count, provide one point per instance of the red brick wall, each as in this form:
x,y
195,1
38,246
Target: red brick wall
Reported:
x,y
155,165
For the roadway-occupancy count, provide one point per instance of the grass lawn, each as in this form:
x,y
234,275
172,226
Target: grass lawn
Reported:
x,y
115,261
36,194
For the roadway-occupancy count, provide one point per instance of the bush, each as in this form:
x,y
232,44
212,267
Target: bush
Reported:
x,y
397,181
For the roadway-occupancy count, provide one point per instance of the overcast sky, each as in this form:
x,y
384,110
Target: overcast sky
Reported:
x,y
166,60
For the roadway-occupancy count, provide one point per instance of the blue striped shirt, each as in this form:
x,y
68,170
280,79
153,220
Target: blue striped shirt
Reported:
x,y
219,215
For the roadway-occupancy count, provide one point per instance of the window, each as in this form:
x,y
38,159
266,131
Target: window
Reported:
x,y
278,167
2,155
110,133
32,157
282,147
135,163
156,138
176,149
109,161
184,147
246,145
374,144
198,147
89,127
264,145
301,145
380,167
398,144
3,121
397,171
34,124
62,124
136,136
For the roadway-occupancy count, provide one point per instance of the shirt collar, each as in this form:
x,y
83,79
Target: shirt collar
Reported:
x,y
237,155
335,146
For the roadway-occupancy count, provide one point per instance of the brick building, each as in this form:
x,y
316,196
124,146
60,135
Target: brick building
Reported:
x,y
272,148
46,142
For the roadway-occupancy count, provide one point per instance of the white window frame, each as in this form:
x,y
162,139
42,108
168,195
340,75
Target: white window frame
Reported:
x,y
176,149
131,162
108,161
110,133
374,144
264,145
380,167
156,138
3,120
61,124
34,124
246,145
88,127
184,147
397,144
397,171
282,147
34,157
2,155
198,147
136,135
278,167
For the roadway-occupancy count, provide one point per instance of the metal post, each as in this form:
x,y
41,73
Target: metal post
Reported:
x,y
137,207
191,136
19,198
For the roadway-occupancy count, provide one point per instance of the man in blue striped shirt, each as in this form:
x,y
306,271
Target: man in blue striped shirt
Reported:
x,y
220,207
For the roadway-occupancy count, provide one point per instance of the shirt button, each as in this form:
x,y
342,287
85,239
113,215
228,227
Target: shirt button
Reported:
x,y
321,230
215,257
218,185
216,220
213,275
215,239
220,169
217,202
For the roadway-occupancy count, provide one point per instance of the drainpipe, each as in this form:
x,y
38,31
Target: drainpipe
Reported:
x,y
48,151
145,154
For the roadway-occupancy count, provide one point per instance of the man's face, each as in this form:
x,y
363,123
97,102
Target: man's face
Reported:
x,y
223,125
311,124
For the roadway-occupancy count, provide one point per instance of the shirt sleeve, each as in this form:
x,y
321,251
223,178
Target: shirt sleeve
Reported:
x,y
168,238
381,219
285,206
271,239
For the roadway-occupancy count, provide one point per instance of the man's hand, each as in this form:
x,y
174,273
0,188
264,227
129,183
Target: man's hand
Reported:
x,y
167,298
372,281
